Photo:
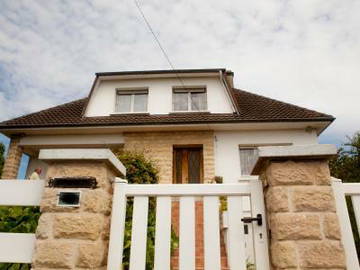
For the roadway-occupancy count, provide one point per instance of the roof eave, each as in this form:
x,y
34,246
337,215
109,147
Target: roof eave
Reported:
x,y
165,71
326,121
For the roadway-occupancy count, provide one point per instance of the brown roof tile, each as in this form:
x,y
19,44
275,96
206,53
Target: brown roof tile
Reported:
x,y
252,108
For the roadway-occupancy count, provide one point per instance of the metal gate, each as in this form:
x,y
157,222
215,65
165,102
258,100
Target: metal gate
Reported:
x,y
187,195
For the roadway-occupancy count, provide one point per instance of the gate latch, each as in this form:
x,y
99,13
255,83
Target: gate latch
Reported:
x,y
258,219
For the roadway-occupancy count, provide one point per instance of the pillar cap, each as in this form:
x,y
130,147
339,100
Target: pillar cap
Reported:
x,y
88,154
310,151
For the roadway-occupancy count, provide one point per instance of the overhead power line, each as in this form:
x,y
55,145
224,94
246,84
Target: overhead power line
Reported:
x,y
159,44
154,35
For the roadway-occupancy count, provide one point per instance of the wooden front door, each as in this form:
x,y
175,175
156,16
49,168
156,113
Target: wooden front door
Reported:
x,y
188,165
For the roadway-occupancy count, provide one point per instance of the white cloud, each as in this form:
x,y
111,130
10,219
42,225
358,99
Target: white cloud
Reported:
x,y
303,52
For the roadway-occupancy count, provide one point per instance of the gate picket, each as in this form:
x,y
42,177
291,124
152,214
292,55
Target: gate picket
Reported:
x,y
211,233
164,193
138,234
236,252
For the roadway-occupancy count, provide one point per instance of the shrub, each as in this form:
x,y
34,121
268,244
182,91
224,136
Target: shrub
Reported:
x,y
18,219
140,170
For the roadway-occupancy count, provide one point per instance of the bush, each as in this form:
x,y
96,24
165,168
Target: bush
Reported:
x,y
140,170
18,219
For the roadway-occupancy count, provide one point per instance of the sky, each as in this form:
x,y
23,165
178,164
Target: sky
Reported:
x,y
302,52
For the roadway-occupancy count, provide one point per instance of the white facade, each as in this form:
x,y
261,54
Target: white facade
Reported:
x,y
227,144
228,137
102,101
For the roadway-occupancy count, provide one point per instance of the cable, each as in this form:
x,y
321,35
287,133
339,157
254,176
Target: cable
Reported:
x,y
157,41
153,33
160,46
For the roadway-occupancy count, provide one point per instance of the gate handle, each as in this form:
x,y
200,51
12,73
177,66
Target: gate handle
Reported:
x,y
258,219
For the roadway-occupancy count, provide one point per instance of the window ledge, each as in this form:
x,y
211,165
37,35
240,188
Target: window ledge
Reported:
x,y
179,112
122,113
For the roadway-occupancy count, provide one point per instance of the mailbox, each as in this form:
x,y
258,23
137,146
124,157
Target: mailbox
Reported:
x,y
69,198
73,182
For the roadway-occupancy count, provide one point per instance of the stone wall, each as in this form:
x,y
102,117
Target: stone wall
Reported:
x,y
302,218
159,147
13,158
75,237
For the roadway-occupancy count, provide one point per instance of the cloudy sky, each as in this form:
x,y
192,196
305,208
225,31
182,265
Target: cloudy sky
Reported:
x,y
302,52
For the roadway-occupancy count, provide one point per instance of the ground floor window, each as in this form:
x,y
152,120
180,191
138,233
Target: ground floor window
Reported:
x,y
248,156
187,164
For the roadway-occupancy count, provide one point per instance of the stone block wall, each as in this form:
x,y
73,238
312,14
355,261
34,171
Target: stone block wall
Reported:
x,y
75,237
303,224
13,159
159,147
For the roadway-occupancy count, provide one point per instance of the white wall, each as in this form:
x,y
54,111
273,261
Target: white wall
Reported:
x,y
227,158
102,102
78,140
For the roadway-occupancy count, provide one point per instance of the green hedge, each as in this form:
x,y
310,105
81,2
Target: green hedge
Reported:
x,y
140,170
18,219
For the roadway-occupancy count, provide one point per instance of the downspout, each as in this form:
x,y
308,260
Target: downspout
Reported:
x,y
228,90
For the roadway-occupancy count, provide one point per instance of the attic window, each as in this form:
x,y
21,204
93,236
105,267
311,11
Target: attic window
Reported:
x,y
189,98
129,101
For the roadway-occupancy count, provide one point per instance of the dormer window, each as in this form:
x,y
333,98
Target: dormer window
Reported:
x,y
131,100
189,99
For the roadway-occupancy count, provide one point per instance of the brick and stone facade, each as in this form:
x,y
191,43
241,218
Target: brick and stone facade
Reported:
x,y
159,147
13,159
302,220
75,237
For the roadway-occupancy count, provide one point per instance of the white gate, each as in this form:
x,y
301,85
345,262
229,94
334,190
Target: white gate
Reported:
x,y
19,247
187,194
340,191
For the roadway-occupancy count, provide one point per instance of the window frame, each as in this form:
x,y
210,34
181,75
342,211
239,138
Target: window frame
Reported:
x,y
256,146
241,164
189,90
132,92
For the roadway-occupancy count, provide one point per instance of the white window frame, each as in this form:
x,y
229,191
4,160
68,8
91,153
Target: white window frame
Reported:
x,y
189,90
256,146
245,148
132,92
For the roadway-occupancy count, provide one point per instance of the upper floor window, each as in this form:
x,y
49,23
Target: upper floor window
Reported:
x,y
189,99
128,101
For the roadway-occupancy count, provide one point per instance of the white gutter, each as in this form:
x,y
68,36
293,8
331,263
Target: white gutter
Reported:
x,y
230,97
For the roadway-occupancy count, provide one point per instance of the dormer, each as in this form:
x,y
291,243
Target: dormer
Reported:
x,y
161,92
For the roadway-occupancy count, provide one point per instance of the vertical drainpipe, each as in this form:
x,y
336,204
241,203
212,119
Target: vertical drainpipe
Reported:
x,y
230,96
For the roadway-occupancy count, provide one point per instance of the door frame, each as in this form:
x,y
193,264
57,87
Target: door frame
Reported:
x,y
188,146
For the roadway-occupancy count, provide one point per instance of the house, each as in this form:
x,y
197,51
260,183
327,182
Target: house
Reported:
x,y
194,123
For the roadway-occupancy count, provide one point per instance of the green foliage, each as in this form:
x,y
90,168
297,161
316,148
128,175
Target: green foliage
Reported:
x,y
250,265
18,219
346,166
2,158
140,170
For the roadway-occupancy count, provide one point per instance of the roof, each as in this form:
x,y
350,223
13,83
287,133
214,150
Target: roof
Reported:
x,y
165,71
251,107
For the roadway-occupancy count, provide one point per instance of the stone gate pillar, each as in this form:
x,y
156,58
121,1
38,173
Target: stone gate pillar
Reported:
x,y
13,159
76,237
302,221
